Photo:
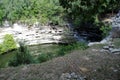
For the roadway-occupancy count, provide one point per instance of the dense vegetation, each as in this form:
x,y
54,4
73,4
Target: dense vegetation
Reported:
x,y
82,11
87,15
8,44
44,11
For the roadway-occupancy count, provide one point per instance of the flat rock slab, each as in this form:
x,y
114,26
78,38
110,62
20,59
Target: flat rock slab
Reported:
x,y
115,51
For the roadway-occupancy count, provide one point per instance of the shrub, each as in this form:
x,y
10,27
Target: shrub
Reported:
x,y
8,44
65,49
105,30
80,45
61,51
22,56
45,57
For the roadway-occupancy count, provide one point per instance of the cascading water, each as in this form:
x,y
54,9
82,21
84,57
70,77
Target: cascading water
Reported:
x,y
76,35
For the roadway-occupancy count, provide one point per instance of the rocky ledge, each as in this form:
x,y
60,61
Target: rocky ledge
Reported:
x,y
37,34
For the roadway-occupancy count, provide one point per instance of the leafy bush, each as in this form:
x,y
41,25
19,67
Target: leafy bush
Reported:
x,y
8,44
80,45
22,56
105,30
45,57
65,49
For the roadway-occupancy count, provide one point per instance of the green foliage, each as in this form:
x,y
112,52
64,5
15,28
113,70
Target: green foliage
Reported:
x,y
45,57
27,10
81,11
22,56
105,30
88,13
65,49
8,44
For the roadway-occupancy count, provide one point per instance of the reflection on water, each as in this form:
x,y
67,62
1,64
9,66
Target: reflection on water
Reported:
x,y
47,48
4,59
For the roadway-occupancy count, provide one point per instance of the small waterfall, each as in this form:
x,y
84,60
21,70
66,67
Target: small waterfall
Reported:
x,y
78,37
76,34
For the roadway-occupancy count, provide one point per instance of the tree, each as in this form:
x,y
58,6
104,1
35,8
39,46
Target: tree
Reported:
x,y
8,44
88,10
30,11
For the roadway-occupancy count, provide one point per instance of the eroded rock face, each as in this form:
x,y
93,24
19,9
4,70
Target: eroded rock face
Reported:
x,y
115,33
37,34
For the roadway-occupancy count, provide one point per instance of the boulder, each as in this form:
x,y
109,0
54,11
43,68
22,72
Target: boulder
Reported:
x,y
115,51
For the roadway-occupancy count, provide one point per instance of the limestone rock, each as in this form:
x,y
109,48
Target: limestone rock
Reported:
x,y
37,34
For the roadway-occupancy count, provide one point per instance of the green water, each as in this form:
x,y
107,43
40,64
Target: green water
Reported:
x,y
4,59
35,50
54,49
48,48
